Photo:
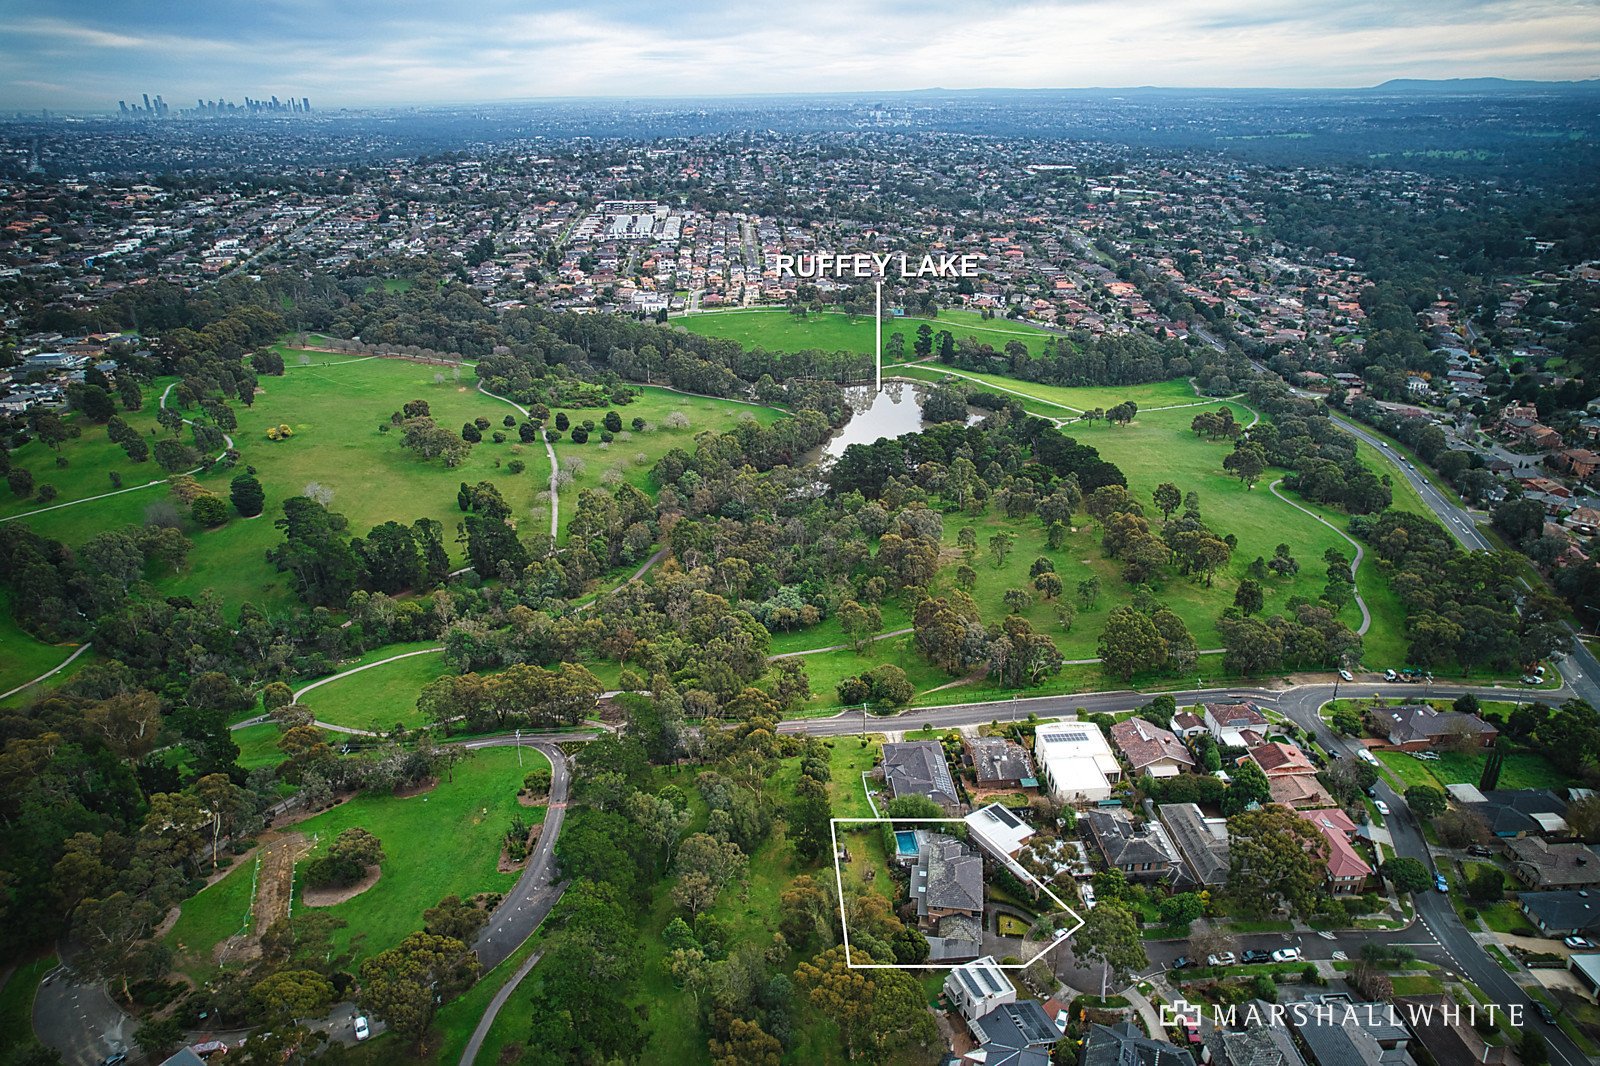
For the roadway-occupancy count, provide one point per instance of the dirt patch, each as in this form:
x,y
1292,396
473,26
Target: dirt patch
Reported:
x,y
328,897
274,883
525,800
506,866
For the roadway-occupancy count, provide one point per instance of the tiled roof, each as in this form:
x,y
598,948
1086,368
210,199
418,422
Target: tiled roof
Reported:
x,y
1145,744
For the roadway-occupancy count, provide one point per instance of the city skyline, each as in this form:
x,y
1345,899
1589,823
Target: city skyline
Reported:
x,y
363,54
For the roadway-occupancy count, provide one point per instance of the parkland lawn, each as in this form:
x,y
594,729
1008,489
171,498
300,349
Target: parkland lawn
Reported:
x,y
775,329
380,698
445,841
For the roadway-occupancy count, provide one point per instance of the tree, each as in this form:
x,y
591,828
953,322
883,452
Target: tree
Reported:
x,y
1487,884
1425,801
1276,859
1247,462
880,1010
346,859
1583,819
174,455
405,985
294,993
1130,643
1168,498
1000,546
1407,874
1249,785
747,1044
1533,1050
1110,936
112,932
247,495
209,511
1347,722
455,918
1248,597
20,480
859,623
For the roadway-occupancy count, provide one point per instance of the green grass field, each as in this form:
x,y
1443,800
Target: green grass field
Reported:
x,y
23,658
632,455
380,698
1522,769
16,1004
445,841
776,330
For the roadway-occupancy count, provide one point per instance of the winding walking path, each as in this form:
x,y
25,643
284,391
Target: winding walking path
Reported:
x,y
549,449
1366,616
85,646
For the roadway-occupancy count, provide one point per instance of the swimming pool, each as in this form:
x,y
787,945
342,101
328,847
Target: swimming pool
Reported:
x,y
905,842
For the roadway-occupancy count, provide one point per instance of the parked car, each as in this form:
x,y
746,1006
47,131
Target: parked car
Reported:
x,y
1427,756
1480,850
116,1058
1191,1031
1088,896
1383,808
1390,675
1226,958
1440,883
1545,1012
1345,675
1181,962
363,1030
1286,955
1576,942
1254,956
1366,756
1532,679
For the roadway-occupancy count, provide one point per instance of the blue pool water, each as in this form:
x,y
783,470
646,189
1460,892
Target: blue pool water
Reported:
x,y
906,842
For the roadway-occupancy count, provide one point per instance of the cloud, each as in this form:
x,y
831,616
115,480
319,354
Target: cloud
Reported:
x,y
362,52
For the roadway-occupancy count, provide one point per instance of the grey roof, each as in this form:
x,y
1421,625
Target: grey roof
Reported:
x,y
1418,721
1016,1034
1542,863
1333,1043
998,759
184,1056
1106,1044
1260,1045
1123,844
1564,911
918,768
1510,811
1204,853
950,876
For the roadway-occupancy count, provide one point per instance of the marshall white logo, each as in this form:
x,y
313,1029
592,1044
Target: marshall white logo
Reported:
x,y
1364,1015
870,265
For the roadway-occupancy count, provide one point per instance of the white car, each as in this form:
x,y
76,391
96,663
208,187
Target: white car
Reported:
x,y
363,1030
1088,896
1286,955
1383,808
1226,958
1345,675
1576,942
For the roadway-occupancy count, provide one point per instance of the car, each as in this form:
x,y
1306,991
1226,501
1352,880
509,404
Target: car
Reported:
x,y
1286,955
1225,958
1539,671
1383,444
116,1058
1545,1012
1427,756
1088,896
1576,942
1483,851
1345,675
1383,808
1440,883
1367,757
1254,955
363,1030
1191,1031
1390,675
1532,679
1181,962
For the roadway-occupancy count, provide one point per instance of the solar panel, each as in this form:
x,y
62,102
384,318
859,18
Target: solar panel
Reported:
x,y
1003,816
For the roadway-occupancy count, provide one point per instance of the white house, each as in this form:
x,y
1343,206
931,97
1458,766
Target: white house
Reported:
x,y
1230,722
1075,763
978,987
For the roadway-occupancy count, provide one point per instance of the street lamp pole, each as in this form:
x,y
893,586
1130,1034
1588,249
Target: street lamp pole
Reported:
x,y
519,749
877,352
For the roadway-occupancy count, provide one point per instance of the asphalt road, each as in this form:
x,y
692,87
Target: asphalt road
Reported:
x,y
80,1021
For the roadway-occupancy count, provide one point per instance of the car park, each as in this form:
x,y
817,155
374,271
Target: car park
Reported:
x,y
1383,808
1254,956
363,1030
1440,883
1286,955
1225,958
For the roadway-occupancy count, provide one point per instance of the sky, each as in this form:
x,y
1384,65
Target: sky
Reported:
x,y
88,54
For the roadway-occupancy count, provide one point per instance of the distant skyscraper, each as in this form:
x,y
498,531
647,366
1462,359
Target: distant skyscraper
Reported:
x,y
305,104
147,101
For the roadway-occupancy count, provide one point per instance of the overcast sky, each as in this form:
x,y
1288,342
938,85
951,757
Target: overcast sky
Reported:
x,y
87,54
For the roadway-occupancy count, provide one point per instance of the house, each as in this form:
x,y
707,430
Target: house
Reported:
x,y
1516,812
1149,749
1142,851
975,988
1201,841
1586,968
999,763
184,1056
1540,864
1445,1031
1075,762
947,885
1124,1045
997,830
1377,1037
1347,870
1300,791
1014,1034
1581,463
1187,725
1228,722
918,768
1278,759
1259,1045
1563,912
1419,727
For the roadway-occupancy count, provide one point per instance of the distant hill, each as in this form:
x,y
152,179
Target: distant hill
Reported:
x,y
1484,85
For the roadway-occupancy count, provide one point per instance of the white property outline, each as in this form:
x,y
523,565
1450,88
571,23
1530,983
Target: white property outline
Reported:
x,y
844,922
